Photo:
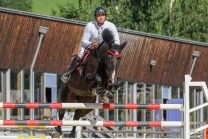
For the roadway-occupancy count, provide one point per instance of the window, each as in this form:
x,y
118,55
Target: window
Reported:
x,y
15,90
38,82
174,92
122,100
149,99
27,92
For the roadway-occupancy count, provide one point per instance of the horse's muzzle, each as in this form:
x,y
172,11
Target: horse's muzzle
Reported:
x,y
112,82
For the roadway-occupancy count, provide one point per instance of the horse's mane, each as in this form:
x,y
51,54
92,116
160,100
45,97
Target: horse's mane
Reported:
x,y
107,36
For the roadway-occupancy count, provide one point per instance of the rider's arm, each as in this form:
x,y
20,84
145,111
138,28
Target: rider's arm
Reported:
x,y
86,36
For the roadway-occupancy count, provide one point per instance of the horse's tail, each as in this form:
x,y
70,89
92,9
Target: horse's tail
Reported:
x,y
108,36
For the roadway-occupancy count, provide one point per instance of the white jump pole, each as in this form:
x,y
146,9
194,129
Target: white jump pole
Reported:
x,y
28,137
187,109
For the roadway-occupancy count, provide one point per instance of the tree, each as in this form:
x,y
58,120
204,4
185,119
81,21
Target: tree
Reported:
x,y
191,18
184,19
24,5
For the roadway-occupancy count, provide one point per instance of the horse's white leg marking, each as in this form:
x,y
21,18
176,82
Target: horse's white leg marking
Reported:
x,y
94,91
113,77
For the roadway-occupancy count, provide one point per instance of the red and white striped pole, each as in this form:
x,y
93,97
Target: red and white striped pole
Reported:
x,y
90,105
92,123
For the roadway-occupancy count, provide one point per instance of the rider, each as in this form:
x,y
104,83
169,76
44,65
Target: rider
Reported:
x,y
92,37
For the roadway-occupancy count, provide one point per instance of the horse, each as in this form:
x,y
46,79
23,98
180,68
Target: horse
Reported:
x,y
98,75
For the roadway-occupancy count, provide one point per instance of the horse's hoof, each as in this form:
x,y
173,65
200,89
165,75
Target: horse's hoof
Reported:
x,y
58,129
103,97
110,95
72,135
99,90
55,134
113,90
119,82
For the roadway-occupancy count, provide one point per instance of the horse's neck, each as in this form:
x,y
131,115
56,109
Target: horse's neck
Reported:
x,y
102,52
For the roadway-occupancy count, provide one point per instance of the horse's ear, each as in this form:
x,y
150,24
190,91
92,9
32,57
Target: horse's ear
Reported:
x,y
110,45
123,45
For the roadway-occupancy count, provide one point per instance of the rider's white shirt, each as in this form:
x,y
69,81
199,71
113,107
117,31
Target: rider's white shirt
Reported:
x,y
92,33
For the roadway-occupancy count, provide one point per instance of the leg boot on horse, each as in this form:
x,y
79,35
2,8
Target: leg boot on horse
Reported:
x,y
73,66
78,114
112,91
58,132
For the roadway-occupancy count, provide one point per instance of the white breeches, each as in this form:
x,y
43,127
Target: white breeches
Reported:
x,y
81,52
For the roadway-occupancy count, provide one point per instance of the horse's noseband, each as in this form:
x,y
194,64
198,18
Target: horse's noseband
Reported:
x,y
115,53
116,56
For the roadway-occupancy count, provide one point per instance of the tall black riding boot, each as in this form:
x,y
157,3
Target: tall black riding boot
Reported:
x,y
75,62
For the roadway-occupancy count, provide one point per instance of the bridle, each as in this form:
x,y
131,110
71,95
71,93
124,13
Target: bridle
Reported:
x,y
116,55
111,66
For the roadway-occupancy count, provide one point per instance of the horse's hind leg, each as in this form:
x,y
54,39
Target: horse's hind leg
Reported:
x,y
60,116
82,112
64,96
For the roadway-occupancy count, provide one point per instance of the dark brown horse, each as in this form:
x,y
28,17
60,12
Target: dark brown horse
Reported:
x,y
97,77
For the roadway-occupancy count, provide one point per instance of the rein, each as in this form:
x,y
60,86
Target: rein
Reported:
x,y
99,57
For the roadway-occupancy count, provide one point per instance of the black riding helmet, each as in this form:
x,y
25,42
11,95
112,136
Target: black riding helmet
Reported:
x,y
100,10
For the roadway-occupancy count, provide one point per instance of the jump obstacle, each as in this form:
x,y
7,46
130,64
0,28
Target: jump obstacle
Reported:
x,y
12,137
91,123
186,109
91,106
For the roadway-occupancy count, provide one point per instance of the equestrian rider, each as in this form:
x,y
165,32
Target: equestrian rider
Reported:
x,y
92,37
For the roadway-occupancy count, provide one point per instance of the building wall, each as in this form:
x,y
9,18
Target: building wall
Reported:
x,y
174,57
142,83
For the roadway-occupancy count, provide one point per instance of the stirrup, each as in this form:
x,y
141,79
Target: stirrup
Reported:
x,y
65,78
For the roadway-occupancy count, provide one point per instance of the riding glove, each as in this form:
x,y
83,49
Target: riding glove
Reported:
x,y
94,45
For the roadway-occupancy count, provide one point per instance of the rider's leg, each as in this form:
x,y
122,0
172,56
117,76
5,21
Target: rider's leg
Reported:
x,y
75,62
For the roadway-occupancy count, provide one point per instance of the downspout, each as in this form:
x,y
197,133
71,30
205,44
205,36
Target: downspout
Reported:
x,y
42,31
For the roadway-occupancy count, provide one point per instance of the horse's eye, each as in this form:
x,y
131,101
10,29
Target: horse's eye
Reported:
x,y
118,58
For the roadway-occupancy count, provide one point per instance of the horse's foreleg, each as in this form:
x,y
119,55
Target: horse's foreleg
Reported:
x,y
112,91
78,114
99,88
81,112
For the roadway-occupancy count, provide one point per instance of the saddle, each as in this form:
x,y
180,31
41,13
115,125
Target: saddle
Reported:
x,y
86,54
81,64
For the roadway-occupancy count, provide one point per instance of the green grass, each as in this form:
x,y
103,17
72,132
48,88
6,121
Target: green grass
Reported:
x,y
45,6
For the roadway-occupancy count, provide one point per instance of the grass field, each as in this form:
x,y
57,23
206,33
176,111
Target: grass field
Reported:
x,y
45,6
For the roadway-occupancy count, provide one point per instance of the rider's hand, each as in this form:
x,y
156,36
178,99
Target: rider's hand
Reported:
x,y
94,45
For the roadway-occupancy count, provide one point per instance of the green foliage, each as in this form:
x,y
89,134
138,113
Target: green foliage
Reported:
x,y
84,11
192,20
64,12
24,5
50,7
185,19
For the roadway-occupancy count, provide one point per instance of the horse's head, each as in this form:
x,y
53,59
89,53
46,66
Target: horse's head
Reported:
x,y
113,59
112,54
